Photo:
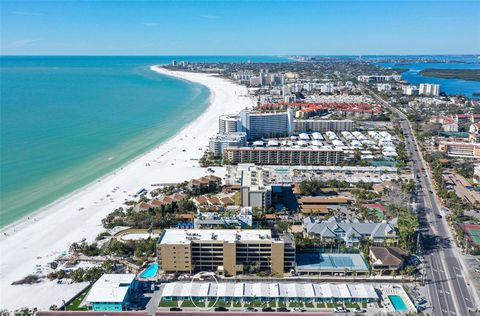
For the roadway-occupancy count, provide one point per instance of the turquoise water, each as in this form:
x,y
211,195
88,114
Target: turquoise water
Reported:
x,y
449,86
397,302
66,121
150,271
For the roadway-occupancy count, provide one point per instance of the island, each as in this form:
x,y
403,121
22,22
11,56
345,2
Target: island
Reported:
x,y
464,74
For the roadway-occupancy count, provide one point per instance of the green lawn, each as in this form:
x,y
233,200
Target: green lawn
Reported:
x,y
220,303
351,305
310,305
168,304
254,304
295,304
190,304
282,304
364,305
237,304
75,304
320,305
272,304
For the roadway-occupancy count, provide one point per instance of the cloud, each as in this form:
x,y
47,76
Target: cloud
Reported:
x,y
150,24
210,17
23,42
27,13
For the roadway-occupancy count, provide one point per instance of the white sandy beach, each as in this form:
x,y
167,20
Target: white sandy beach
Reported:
x,y
36,241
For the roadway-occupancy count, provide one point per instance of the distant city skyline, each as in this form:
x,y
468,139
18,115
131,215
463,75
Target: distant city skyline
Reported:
x,y
240,28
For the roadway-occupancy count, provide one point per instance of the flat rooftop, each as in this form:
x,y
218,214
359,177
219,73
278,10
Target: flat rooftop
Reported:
x,y
186,236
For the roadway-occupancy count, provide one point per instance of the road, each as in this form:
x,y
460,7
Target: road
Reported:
x,y
450,292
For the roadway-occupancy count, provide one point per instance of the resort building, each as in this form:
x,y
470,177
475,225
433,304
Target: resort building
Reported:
x,y
284,155
313,125
266,124
218,143
460,149
111,292
387,259
351,233
269,291
226,252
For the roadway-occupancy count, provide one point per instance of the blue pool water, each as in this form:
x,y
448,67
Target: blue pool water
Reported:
x,y
397,302
150,271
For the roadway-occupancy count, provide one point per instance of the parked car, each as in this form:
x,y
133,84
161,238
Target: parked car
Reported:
x,y
221,309
267,309
175,309
341,310
250,309
299,309
283,309
439,216
358,310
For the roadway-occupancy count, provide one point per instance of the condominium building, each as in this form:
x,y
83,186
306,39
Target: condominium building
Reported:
x,y
255,190
351,232
429,89
460,149
322,125
266,124
221,141
227,252
283,156
229,124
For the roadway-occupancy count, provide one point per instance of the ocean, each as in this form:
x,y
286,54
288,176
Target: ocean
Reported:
x,y
66,121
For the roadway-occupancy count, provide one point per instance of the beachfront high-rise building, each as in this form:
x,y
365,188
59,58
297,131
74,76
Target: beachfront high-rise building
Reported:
x,y
223,140
429,89
229,124
266,124
227,252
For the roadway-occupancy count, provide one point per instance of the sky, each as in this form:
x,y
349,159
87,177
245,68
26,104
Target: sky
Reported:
x,y
239,27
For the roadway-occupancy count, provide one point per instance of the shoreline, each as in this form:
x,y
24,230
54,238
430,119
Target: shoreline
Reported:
x,y
44,209
38,238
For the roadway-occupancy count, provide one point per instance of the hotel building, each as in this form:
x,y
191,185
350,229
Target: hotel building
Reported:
x,y
266,124
283,156
227,252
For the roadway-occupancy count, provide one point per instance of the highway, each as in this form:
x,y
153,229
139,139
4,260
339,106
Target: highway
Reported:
x,y
447,285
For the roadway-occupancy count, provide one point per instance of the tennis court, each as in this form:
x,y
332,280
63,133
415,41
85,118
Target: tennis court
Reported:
x,y
326,262
473,231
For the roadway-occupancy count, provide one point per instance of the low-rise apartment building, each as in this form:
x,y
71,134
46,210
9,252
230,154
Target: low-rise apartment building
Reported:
x,y
227,252
322,125
283,156
351,233
460,149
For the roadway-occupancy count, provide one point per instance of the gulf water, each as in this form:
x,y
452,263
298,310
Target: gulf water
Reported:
x,y
66,121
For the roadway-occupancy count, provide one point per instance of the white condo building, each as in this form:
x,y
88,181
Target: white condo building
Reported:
x,y
429,89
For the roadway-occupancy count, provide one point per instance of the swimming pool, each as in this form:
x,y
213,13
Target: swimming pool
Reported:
x,y
397,302
150,271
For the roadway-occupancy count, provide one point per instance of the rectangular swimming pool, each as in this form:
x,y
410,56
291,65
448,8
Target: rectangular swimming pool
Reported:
x,y
397,302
